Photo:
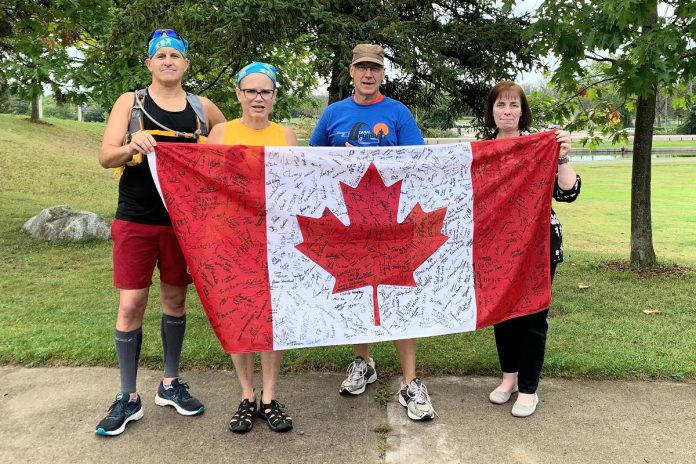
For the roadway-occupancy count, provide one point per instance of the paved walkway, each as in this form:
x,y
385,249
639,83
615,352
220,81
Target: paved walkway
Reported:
x,y
49,414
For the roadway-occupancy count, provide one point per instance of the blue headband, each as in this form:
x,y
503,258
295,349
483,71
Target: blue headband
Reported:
x,y
266,69
176,43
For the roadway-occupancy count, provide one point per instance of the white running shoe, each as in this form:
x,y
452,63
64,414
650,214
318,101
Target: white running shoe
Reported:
x,y
360,374
414,397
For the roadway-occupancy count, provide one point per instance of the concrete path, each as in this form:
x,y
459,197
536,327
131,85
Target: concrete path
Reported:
x,y
576,421
49,415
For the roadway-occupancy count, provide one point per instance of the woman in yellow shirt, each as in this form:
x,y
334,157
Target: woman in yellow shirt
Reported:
x,y
256,92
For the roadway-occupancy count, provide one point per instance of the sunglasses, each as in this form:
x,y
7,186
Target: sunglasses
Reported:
x,y
164,33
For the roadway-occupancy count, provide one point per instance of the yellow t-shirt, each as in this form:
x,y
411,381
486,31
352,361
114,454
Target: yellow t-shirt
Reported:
x,y
237,133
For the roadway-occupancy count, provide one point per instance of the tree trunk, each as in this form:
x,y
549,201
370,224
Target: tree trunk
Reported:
x,y
35,109
334,85
642,251
337,92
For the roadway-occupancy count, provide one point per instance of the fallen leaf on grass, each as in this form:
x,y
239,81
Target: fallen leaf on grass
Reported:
x,y
582,285
652,311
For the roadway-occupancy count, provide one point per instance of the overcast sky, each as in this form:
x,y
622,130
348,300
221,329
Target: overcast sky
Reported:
x,y
529,78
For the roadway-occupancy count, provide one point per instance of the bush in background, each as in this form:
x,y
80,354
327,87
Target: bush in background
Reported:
x,y
93,113
14,105
54,109
689,126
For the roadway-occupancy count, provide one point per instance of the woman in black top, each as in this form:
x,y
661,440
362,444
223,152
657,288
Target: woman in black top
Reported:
x,y
521,341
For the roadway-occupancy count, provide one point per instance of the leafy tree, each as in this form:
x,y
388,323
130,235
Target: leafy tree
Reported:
x,y
40,43
443,53
435,48
645,48
600,108
672,106
53,108
689,126
94,113
14,105
223,37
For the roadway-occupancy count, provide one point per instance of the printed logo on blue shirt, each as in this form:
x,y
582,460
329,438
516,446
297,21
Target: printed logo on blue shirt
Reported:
x,y
361,135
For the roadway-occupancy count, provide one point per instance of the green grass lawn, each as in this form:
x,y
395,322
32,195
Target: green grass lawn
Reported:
x,y
58,305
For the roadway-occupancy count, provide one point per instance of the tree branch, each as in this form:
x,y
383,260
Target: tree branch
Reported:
x,y
600,58
217,78
585,87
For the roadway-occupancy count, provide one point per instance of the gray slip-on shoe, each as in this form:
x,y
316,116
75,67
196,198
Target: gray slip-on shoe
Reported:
x,y
499,397
521,410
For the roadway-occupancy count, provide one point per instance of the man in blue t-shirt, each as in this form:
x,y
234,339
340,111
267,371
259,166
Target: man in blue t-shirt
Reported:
x,y
368,119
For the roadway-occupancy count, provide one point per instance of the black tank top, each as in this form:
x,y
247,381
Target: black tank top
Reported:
x,y
138,200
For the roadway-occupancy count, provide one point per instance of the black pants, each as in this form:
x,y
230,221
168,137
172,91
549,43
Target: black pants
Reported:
x,y
521,344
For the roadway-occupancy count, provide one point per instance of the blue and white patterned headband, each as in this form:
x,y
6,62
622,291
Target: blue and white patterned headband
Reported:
x,y
266,69
166,38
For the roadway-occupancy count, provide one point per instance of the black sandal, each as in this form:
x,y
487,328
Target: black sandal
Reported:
x,y
278,421
243,419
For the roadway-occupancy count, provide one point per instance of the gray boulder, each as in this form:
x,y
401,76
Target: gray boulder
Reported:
x,y
62,222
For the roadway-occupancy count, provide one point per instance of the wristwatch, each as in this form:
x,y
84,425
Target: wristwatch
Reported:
x,y
563,160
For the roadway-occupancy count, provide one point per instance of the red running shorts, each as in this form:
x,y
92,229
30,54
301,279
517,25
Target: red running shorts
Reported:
x,y
138,248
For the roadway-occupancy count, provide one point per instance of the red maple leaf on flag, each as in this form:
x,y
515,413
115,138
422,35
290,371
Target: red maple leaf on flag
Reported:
x,y
373,249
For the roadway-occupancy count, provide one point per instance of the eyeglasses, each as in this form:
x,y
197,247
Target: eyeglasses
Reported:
x,y
362,69
164,32
251,94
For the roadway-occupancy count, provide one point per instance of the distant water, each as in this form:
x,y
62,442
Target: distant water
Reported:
x,y
628,156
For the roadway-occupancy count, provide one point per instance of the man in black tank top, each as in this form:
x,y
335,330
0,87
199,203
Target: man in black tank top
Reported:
x,y
142,233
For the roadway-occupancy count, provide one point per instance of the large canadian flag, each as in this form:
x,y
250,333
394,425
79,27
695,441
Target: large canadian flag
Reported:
x,y
294,247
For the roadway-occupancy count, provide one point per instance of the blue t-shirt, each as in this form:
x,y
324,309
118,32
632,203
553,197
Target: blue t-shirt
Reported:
x,y
385,123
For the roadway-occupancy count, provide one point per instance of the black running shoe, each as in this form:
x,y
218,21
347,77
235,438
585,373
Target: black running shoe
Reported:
x,y
120,413
178,397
